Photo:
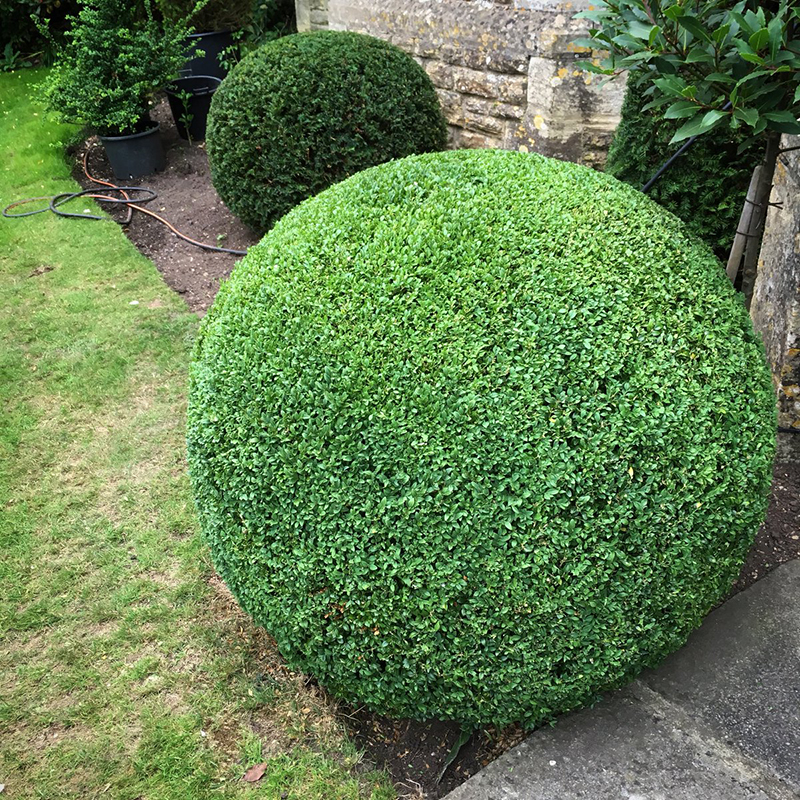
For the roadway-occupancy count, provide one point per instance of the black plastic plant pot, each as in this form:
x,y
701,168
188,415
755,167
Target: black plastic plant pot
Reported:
x,y
135,155
212,44
190,101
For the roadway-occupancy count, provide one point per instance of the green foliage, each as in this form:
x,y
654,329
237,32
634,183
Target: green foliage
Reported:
x,y
308,110
21,33
713,64
705,187
116,56
477,435
215,15
252,22
112,627
11,59
272,19
186,117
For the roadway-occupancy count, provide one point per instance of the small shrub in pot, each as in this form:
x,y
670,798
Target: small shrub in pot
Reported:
x,y
308,110
116,56
478,435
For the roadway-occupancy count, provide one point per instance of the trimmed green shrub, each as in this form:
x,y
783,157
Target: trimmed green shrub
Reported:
x,y
308,110
478,435
705,187
116,56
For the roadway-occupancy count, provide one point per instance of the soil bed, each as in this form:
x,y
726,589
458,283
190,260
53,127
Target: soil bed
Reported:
x,y
778,539
188,200
414,753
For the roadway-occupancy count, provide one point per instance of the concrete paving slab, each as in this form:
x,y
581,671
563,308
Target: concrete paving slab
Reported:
x,y
740,673
619,749
718,721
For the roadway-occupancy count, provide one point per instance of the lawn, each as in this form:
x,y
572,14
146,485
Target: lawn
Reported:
x,y
126,669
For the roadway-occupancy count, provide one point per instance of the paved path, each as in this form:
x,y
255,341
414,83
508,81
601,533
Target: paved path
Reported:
x,y
718,720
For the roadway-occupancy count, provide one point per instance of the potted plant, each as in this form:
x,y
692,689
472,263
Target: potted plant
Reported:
x,y
117,55
217,24
260,22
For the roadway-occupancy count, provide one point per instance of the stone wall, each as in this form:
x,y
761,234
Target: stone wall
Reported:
x,y
504,69
776,299
312,15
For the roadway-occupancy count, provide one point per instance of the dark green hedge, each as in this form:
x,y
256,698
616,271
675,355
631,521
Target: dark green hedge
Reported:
x,y
705,187
218,15
477,435
19,30
308,110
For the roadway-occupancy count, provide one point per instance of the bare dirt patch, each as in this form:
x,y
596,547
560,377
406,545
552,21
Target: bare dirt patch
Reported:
x,y
778,539
278,707
188,200
57,733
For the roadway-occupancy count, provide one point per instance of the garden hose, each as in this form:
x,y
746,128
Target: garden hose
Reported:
x,y
55,202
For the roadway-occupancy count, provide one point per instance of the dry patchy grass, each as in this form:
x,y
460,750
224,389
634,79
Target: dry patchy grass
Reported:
x,y
126,668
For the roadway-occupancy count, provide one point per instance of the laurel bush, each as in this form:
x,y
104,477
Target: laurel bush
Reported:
x,y
306,111
478,435
705,187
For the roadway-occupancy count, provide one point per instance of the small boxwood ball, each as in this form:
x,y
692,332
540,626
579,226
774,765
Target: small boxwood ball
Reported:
x,y
308,110
478,435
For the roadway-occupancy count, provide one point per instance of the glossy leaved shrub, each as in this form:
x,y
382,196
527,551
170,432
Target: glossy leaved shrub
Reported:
x,y
705,187
308,110
477,435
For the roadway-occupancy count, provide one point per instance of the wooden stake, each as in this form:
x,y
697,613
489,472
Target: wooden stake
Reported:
x,y
752,249
743,228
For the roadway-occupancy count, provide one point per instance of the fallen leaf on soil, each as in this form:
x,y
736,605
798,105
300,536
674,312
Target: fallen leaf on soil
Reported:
x,y
255,773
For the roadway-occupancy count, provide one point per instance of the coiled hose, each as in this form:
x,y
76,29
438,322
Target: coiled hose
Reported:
x,y
107,195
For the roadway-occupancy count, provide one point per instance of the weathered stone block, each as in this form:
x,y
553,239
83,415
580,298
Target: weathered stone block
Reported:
x,y
472,140
506,33
440,74
775,308
494,108
499,60
508,88
452,105
480,123
452,133
511,61
303,14
568,114
311,14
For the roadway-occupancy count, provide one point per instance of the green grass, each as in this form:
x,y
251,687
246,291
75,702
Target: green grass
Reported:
x,y
126,669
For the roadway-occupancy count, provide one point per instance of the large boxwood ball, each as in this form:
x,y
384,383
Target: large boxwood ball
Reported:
x,y
478,435
308,110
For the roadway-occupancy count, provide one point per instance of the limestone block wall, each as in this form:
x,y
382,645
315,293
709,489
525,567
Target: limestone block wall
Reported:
x,y
312,15
504,69
776,298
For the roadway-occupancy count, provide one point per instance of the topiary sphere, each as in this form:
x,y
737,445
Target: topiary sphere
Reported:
x,y
478,435
308,110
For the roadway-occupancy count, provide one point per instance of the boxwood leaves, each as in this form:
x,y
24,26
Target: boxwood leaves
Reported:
x,y
308,110
477,435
